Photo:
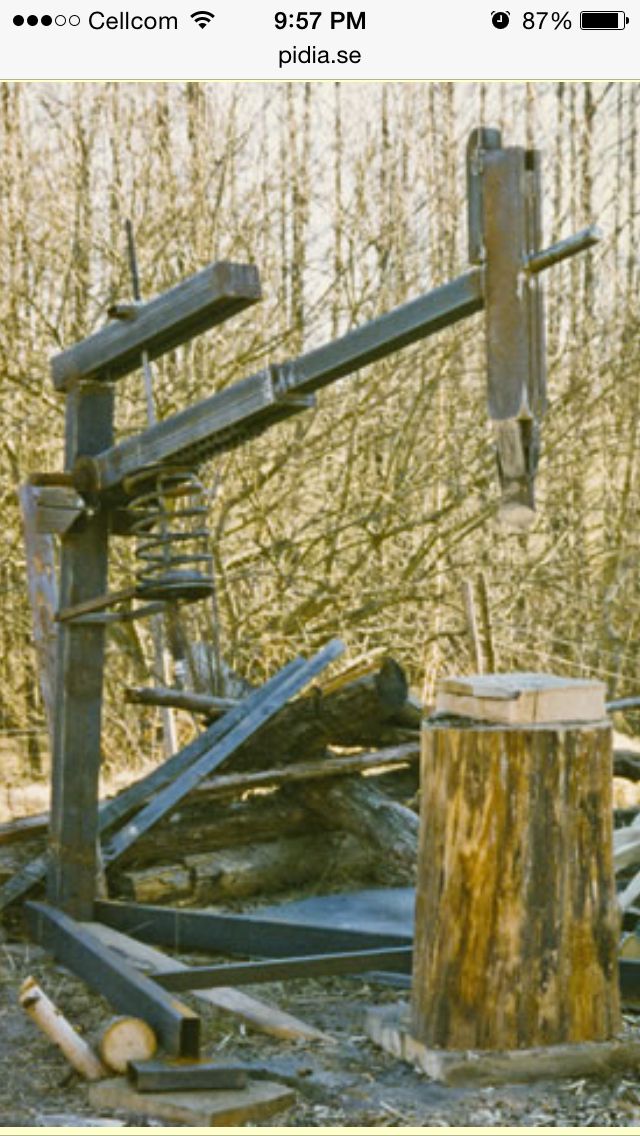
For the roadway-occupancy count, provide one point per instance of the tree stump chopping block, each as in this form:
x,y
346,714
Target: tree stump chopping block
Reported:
x,y
516,917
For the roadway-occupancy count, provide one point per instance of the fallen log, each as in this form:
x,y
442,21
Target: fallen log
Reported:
x,y
235,784
252,869
202,825
351,714
361,809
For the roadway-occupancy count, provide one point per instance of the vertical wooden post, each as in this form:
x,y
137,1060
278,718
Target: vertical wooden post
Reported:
x,y
511,200
79,674
43,597
516,917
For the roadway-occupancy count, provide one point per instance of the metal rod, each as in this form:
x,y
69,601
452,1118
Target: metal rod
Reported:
x,y
251,935
579,242
284,969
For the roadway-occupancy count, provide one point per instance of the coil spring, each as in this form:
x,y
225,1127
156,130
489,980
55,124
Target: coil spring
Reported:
x,y
168,510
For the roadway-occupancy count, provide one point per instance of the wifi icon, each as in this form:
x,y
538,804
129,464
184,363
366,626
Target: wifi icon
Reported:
x,y
202,18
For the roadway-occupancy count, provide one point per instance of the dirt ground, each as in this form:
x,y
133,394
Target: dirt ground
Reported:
x,y
349,1084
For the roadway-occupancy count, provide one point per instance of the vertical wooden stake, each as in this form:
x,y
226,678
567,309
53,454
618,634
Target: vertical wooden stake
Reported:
x,y
472,624
485,616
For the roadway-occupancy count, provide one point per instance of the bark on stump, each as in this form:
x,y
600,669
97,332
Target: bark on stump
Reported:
x,y
516,917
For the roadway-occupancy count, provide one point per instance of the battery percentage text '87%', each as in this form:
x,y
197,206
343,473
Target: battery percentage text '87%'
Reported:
x,y
537,20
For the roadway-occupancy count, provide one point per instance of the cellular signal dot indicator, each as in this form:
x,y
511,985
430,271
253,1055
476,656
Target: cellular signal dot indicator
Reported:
x,y
46,21
32,21
18,21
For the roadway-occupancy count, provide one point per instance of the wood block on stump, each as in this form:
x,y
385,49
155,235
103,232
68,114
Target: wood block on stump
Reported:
x,y
521,697
516,917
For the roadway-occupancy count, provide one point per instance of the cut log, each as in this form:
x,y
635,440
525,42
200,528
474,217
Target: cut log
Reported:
x,y
126,1039
361,809
41,1009
517,925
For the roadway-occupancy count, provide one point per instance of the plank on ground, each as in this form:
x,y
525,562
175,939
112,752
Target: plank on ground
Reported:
x,y
214,1108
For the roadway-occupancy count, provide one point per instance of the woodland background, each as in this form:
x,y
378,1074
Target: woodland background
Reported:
x,y
365,517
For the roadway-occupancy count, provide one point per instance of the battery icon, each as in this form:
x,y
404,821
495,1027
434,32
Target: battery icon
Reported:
x,y
603,21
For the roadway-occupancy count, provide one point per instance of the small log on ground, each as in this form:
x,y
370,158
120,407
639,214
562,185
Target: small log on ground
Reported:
x,y
126,1039
363,810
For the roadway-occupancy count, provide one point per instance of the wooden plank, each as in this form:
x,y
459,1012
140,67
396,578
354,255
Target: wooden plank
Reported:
x,y
43,598
327,767
390,1028
160,324
522,698
214,1108
252,1011
79,675
264,705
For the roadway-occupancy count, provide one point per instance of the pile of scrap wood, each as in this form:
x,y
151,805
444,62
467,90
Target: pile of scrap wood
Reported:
x,y
320,795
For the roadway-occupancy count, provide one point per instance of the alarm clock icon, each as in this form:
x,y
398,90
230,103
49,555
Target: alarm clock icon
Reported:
x,y
500,19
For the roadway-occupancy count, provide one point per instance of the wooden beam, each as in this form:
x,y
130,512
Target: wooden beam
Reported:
x,y
172,318
250,406
79,675
514,321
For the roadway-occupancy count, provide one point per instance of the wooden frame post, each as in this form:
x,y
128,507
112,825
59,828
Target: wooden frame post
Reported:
x,y
79,678
515,339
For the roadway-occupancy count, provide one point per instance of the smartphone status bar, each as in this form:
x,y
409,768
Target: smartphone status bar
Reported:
x,y
373,39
